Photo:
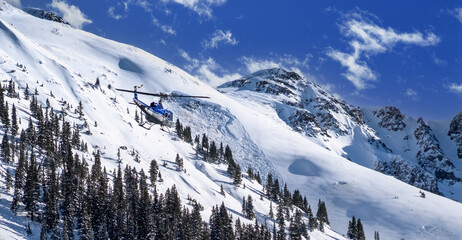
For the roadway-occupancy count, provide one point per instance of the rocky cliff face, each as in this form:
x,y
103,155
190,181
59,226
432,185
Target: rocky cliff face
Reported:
x,y
455,132
305,106
430,156
409,173
44,14
404,148
391,118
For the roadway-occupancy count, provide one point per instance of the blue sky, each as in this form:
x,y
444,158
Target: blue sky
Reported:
x,y
371,53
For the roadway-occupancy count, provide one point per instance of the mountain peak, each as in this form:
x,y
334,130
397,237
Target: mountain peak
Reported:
x,y
45,14
278,72
275,81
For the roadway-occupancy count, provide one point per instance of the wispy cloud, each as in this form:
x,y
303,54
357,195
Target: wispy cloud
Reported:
x,y
438,61
367,39
456,87
285,61
16,3
458,14
71,13
219,37
163,27
207,70
201,7
111,12
411,93
147,7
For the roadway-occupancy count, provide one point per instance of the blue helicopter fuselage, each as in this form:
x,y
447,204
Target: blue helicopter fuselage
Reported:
x,y
155,112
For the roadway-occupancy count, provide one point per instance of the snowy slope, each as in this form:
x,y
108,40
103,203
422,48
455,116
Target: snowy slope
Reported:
x,y
317,163
65,62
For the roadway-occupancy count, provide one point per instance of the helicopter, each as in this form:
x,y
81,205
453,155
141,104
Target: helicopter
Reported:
x,y
155,112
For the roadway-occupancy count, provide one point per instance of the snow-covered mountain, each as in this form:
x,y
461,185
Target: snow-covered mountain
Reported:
x,y
362,162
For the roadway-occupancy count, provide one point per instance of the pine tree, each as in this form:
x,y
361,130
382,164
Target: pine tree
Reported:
x,y
179,162
287,196
249,212
14,122
132,193
31,134
153,170
352,229
80,109
51,194
297,228
276,191
75,140
144,204
100,209
238,231
187,135
205,143
6,117
360,230
19,176
69,189
221,223
173,211
8,180
213,152
281,223
221,152
32,189
244,206
196,219
179,129
321,214
26,92
269,184
119,206
84,225
271,213
312,221
237,176
6,155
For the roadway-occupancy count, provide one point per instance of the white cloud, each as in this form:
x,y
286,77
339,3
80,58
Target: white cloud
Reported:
x,y
164,28
146,6
454,87
285,61
458,14
254,65
192,62
412,94
367,39
71,13
201,7
219,37
438,61
207,70
16,3
111,13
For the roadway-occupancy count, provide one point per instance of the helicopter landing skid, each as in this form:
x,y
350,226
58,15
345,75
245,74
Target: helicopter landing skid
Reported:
x,y
146,123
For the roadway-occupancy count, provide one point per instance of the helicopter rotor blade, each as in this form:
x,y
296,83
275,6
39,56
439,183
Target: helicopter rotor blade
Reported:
x,y
160,94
